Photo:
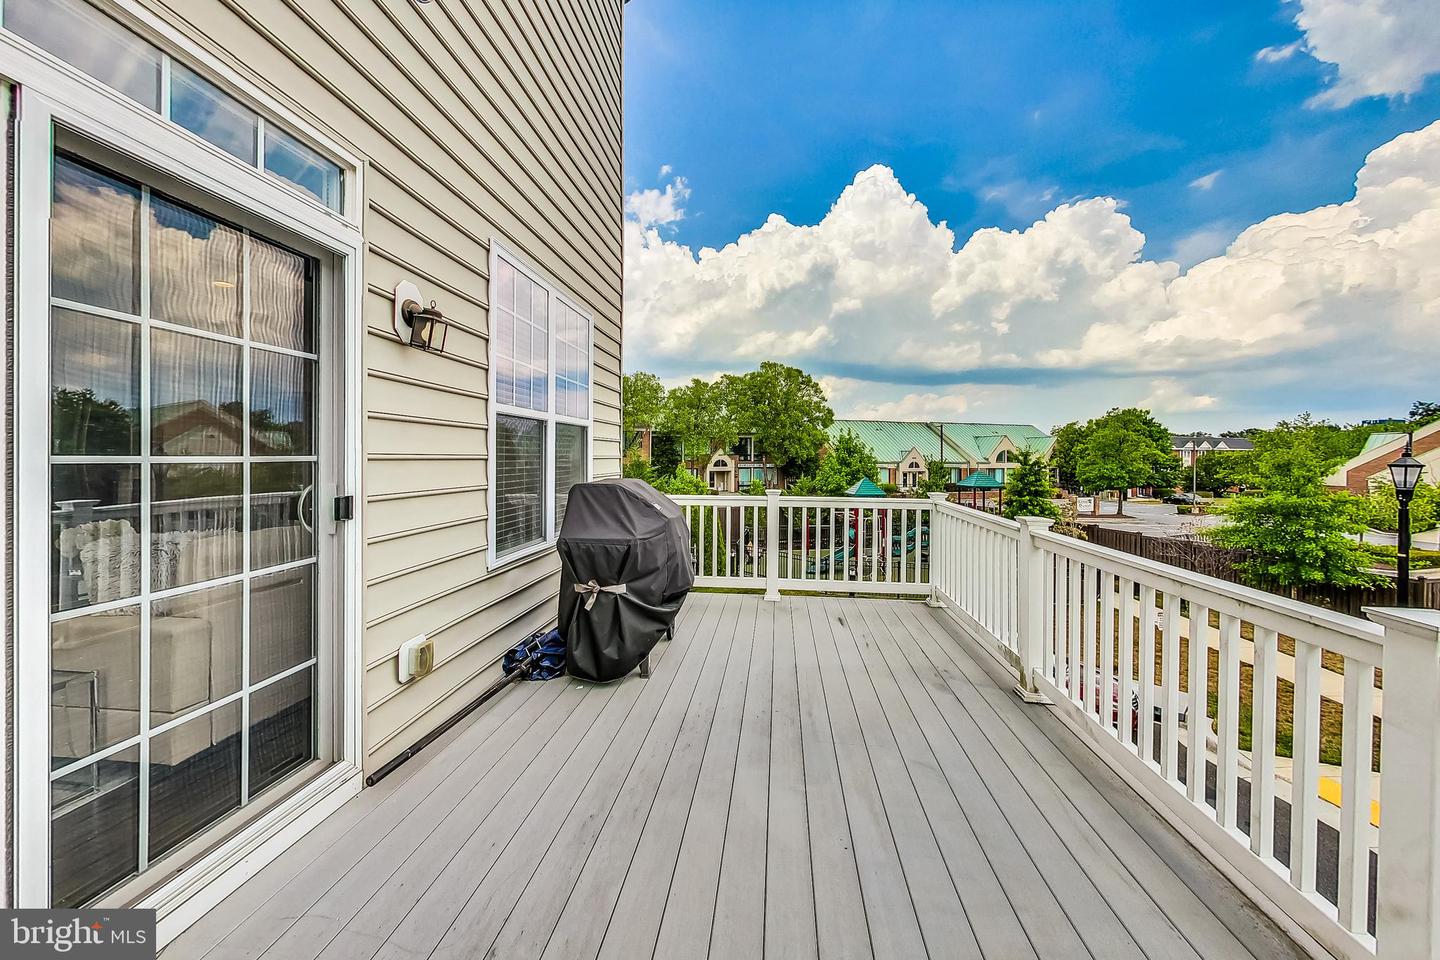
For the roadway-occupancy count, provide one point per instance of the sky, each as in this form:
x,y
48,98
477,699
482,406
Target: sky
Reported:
x,y
1013,211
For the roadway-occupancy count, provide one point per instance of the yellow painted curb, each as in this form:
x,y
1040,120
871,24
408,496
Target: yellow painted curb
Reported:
x,y
1330,793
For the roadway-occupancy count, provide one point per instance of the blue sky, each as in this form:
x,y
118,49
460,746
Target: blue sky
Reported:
x,y
1178,126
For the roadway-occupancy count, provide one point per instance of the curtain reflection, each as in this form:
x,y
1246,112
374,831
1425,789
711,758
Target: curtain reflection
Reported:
x,y
94,238
280,301
196,401
195,265
281,394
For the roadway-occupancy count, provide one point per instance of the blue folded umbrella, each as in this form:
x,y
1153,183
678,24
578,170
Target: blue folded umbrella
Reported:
x,y
541,655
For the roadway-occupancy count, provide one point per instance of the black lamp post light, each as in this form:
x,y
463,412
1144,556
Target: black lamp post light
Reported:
x,y
1405,474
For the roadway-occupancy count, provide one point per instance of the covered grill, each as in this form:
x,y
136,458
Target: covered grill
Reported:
x,y
624,572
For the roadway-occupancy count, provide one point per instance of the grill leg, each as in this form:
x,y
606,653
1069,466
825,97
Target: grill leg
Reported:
x,y
645,667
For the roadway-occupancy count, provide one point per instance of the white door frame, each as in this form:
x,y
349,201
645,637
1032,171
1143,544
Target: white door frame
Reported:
x,y
51,93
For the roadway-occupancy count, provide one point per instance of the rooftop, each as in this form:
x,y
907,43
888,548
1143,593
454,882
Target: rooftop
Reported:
x,y
964,442
813,777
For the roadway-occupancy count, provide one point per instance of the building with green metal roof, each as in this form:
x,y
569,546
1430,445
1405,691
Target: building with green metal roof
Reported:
x,y
903,447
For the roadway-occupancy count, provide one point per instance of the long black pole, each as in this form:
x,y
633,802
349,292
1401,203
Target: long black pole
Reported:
x,y
1402,556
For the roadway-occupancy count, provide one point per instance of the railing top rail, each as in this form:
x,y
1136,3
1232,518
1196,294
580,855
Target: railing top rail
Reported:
x,y
735,499
971,515
1338,632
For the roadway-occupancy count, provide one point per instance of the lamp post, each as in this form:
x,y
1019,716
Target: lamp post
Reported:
x,y
1405,474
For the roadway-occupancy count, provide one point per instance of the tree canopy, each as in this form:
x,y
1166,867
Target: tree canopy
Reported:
x,y
698,414
1223,469
786,411
1380,509
1295,532
1028,491
846,463
642,403
1064,455
1125,448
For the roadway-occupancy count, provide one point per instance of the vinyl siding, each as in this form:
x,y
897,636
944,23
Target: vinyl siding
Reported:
x,y
474,118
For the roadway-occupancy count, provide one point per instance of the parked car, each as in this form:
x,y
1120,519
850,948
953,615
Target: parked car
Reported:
x,y
1187,499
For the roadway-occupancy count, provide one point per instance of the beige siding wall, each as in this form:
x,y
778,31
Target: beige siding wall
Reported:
x,y
475,117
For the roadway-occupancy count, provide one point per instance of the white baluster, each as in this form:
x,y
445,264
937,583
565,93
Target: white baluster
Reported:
x,y
1262,745
1197,724
1356,759
1227,721
1305,779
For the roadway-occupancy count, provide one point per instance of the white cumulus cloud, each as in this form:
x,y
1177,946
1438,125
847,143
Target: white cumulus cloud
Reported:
x,y
1171,396
1272,54
1379,48
1324,296
653,207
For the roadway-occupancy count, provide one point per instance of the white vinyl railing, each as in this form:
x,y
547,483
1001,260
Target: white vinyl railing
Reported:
x,y
819,544
1114,641
1193,689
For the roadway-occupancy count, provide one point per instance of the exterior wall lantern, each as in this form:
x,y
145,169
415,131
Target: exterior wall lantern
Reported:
x,y
422,327
1405,474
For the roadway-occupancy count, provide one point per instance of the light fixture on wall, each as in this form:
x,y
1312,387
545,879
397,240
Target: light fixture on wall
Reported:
x,y
421,327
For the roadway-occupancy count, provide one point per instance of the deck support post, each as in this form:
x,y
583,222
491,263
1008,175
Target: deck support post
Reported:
x,y
772,545
1030,613
1407,897
937,552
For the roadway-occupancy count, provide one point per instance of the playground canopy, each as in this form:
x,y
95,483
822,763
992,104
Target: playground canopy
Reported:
x,y
865,488
981,480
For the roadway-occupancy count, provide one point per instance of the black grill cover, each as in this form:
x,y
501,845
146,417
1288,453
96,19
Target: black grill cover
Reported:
x,y
620,532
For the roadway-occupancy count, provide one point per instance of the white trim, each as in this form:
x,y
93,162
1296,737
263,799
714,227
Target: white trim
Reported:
x,y
52,93
550,416
171,43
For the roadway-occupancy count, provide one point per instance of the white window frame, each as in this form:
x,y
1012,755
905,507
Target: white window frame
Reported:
x,y
54,91
549,416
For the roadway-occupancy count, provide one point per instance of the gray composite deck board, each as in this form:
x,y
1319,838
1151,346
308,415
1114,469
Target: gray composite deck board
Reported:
x,y
824,778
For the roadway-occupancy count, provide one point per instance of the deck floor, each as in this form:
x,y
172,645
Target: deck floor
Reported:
x,y
811,778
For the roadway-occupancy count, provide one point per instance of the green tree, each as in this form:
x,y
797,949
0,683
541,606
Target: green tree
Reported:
x,y
937,475
1424,411
664,453
1064,455
755,488
640,469
1296,532
847,461
1223,469
642,404
1121,450
699,416
1380,509
1028,491
680,483
786,411
83,423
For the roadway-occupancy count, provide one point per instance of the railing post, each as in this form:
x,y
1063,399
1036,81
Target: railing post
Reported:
x,y
1407,891
772,544
937,553
1030,594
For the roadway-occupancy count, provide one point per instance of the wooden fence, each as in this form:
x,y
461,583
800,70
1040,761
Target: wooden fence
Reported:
x,y
1213,560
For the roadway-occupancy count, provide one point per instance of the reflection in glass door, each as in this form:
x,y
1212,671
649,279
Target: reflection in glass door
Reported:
x,y
183,463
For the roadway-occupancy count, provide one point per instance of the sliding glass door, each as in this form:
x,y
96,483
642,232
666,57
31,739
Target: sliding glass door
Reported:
x,y
185,570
